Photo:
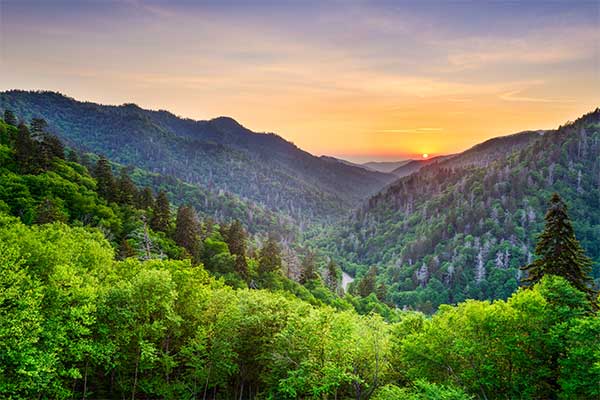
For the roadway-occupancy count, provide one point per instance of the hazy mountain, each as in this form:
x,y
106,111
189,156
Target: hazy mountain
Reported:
x,y
385,166
415,165
346,162
219,153
460,228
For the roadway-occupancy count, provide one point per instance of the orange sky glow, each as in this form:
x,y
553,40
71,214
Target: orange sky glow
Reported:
x,y
346,79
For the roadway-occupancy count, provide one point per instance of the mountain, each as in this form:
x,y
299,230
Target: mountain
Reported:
x,y
461,228
385,166
415,165
219,154
345,162
480,154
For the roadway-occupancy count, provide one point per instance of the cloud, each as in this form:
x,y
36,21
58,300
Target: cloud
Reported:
x,y
544,46
514,96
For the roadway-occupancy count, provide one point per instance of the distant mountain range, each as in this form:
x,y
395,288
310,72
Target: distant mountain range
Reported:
x,y
219,154
385,166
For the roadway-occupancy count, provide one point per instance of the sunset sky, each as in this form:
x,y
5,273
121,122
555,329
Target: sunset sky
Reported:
x,y
360,80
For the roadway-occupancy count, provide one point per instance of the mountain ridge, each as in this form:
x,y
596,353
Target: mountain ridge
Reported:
x,y
219,153
461,228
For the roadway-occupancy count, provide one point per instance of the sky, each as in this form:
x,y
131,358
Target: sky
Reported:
x,y
360,80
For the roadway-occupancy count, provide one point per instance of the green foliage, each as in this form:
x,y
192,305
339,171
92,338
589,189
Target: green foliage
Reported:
x,y
219,154
187,231
71,316
559,253
161,215
461,228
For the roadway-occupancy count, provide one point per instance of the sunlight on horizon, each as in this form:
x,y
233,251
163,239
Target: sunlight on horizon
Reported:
x,y
399,82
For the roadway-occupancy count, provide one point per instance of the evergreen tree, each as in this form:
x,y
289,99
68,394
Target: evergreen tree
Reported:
x,y
145,199
559,252
381,292
187,231
308,268
105,179
24,150
235,236
367,284
332,276
126,189
54,146
269,259
38,127
9,118
161,213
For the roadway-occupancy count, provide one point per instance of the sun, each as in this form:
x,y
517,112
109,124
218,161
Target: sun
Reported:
x,y
425,155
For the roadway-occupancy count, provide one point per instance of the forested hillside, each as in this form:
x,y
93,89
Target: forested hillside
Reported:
x,y
218,154
40,182
461,228
107,293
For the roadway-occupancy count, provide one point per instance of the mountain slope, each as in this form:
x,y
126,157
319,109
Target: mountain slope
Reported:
x,y
415,165
219,153
385,166
460,228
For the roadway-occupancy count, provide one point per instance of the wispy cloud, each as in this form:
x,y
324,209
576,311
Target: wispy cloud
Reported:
x,y
515,96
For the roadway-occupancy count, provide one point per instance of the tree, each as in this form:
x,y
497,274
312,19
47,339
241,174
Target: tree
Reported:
x,y
381,292
9,118
269,259
127,191
24,150
145,199
235,236
54,146
332,276
308,268
187,231
38,127
105,179
559,253
47,211
161,213
366,285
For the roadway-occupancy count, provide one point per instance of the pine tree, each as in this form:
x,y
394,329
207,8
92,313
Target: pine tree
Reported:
x,y
126,189
235,236
308,268
9,118
381,292
559,252
269,259
161,213
187,231
54,146
332,276
145,199
366,286
24,150
105,179
38,127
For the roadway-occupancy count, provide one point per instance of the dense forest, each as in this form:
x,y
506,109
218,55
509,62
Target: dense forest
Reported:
x,y
219,154
110,291
461,228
